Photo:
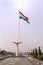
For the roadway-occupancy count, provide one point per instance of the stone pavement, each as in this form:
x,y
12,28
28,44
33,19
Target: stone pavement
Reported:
x,y
16,61
36,61
9,61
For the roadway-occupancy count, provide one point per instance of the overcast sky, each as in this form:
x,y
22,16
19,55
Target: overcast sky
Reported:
x,y
31,34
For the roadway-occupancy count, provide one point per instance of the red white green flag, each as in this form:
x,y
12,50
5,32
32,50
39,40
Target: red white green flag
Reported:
x,y
22,16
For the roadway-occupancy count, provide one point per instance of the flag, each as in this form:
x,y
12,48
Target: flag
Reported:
x,y
22,16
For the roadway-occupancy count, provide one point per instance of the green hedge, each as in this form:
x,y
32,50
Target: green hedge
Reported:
x,y
40,57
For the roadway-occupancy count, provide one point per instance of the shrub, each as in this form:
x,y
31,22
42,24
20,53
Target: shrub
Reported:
x,y
40,57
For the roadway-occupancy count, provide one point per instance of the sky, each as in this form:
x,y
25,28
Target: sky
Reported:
x,y
31,35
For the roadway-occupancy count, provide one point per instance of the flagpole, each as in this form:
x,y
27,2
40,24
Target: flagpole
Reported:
x,y
19,29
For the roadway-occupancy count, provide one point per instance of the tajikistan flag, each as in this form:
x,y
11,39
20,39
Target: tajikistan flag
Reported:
x,y
21,16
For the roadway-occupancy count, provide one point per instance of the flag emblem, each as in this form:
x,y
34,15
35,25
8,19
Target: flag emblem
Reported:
x,y
22,16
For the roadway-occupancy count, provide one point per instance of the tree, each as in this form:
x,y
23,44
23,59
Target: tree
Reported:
x,y
3,52
39,51
36,54
33,53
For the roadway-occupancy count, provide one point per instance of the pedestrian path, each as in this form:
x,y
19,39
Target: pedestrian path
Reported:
x,y
36,61
9,61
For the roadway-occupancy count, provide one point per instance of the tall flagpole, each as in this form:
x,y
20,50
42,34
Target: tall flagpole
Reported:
x,y
18,42
19,29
